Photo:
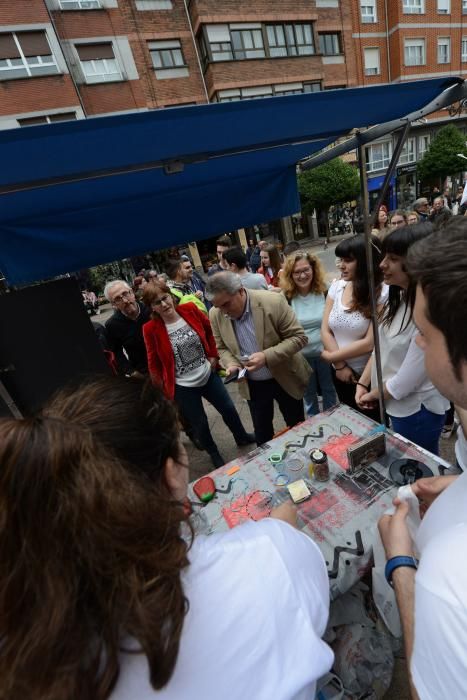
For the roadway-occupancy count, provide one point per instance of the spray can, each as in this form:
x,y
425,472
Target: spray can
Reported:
x,y
319,460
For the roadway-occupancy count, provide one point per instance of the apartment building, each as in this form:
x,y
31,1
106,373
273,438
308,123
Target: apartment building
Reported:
x,y
79,58
399,40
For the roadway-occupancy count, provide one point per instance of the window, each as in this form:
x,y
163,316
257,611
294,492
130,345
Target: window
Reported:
x,y
154,5
99,63
166,54
218,36
378,156
464,49
290,40
464,7
423,143
330,44
413,7
368,11
408,151
444,49
266,91
444,7
47,119
371,60
414,52
247,43
80,4
25,55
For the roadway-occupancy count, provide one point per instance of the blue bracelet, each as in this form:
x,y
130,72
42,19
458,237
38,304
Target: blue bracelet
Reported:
x,y
394,563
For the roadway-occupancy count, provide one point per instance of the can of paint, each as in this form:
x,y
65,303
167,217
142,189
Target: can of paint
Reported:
x,y
319,462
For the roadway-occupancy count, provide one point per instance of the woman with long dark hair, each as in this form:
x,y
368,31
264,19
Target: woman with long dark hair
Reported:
x,y
182,359
104,592
417,410
270,266
346,330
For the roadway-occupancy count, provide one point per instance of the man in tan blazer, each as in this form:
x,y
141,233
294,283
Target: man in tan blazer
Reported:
x,y
259,331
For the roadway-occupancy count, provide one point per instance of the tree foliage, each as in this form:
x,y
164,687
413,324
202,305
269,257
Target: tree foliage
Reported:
x,y
328,184
440,158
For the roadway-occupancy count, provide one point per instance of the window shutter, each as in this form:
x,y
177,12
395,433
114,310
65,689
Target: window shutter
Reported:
x,y
93,52
371,58
34,44
8,48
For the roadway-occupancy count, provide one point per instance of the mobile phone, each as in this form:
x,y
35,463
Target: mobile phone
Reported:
x,y
232,377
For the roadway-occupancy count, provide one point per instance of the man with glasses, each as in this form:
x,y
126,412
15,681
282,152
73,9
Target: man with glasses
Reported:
x,y
259,331
125,328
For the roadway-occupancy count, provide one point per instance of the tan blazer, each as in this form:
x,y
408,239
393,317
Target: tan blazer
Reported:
x,y
280,336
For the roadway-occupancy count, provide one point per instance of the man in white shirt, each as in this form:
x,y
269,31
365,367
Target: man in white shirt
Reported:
x,y
433,599
235,260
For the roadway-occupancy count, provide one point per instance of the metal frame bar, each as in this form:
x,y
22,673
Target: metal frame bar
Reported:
x,y
10,404
452,94
370,270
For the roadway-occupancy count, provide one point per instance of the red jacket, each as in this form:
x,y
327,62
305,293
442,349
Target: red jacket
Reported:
x,y
161,362
273,281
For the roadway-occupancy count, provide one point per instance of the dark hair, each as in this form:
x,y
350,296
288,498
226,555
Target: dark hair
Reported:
x,y
235,256
153,290
90,545
354,248
224,241
274,258
291,247
438,263
172,267
398,243
440,220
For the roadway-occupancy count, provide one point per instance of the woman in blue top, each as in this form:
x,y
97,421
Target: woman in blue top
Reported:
x,y
302,280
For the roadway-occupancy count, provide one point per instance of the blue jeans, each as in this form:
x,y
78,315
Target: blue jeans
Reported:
x,y
191,404
423,428
322,371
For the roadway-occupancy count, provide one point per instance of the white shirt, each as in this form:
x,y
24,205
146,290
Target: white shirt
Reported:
x,y
461,449
192,368
258,606
349,326
439,660
403,369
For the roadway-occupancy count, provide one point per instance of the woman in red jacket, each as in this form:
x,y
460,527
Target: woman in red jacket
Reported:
x,y
182,358
270,266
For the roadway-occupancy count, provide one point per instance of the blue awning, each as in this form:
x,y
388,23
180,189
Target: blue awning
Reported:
x,y
80,193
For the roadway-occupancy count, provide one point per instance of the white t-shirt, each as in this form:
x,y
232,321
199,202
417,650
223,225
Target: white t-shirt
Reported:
x,y
439,660
349,326
192,368
461,449
403,369
258,606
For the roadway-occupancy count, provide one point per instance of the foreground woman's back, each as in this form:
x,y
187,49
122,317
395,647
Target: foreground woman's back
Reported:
x,y
93,566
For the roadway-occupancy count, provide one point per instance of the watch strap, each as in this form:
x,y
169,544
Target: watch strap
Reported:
x,y
396,562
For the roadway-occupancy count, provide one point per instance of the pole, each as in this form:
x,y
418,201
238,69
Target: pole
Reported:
x,y
371,277
10,404
390,172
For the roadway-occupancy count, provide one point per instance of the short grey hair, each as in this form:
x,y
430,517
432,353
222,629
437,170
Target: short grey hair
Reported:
x,y
228,282
110,285
420,202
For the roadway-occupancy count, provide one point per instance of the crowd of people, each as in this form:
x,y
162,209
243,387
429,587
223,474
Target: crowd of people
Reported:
x,y
105,592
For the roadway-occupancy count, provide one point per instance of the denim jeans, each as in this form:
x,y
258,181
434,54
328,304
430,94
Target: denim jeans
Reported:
x,y
423,428
322,372
190,401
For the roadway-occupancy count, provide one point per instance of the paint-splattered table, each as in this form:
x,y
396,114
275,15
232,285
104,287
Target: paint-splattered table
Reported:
x,y
341,514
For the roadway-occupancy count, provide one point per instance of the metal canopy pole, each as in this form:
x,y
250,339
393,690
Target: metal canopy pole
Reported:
x,y
390,172
369,260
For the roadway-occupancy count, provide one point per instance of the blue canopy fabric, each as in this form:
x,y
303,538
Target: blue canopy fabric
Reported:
x,y
76,194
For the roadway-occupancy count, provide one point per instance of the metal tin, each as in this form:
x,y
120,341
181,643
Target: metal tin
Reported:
x,y
319,460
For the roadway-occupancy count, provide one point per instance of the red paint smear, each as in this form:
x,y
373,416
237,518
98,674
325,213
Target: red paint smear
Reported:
x,y
337,449
236,512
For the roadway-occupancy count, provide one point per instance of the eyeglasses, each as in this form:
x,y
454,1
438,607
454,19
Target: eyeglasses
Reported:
x,y
122,296
306,271
158,302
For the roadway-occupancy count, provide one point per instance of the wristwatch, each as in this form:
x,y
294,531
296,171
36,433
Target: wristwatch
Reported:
x,y
394,563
